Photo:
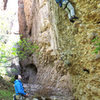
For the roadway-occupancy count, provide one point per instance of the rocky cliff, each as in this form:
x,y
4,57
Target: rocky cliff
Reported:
x,y
66,62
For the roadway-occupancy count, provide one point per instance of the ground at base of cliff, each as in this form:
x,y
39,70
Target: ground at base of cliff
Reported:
x,y
6,90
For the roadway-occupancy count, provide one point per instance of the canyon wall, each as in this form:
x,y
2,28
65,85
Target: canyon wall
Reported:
x,y
66,61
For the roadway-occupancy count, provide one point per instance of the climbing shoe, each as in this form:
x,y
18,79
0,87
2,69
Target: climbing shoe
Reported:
x,y
71,20
74,17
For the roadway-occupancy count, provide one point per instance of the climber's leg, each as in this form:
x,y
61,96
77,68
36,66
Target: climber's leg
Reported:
x,y
14,97
67,6
72,11
64,5
68,12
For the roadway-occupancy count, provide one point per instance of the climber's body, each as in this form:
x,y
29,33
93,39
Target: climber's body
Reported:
x,y
20,94
67,6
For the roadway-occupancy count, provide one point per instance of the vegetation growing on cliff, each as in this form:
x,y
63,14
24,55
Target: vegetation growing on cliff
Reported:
x,y
96,44
22,49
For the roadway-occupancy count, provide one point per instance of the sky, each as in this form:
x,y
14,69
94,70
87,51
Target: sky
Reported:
x,y
12,5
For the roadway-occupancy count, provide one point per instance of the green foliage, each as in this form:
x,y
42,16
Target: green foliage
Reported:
x,y
6,90
4,52
3,71
12,79
6,95
1,77
24,48
96,42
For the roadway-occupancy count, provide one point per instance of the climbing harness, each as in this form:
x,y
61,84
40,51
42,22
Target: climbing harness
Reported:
x,y
66,5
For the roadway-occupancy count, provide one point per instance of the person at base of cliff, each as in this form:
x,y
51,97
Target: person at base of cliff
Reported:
x,y
20,94
67,6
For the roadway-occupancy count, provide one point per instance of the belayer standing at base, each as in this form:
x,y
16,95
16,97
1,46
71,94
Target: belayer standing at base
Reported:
x,y
20,94
67,6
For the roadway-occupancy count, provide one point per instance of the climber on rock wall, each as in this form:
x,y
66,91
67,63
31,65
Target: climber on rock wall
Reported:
x,y
67,6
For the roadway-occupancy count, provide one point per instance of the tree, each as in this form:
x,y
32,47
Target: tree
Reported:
x,y
22,50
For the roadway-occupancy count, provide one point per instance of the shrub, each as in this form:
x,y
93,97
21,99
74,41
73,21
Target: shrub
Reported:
x,y
96,42
12,79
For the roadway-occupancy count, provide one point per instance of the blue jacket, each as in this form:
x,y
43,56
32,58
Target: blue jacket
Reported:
x,y
19,87
60,2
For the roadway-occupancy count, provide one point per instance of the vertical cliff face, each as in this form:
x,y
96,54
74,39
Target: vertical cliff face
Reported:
x,y
65,47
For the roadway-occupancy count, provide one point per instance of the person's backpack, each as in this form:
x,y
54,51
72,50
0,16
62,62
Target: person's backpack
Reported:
x,y
59,2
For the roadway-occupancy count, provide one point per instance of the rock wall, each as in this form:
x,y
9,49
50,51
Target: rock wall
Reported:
x,y
64,47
